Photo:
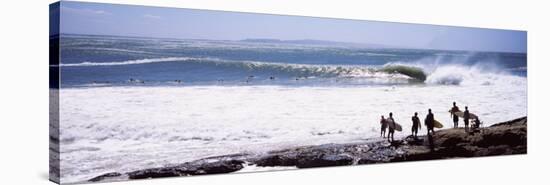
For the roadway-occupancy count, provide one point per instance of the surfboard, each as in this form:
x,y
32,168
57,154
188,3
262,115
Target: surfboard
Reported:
x,y
461,114
437,124
397,125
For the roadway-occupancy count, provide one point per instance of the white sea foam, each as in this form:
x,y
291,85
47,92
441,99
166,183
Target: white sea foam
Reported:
x,y
129,62
105,129
454,74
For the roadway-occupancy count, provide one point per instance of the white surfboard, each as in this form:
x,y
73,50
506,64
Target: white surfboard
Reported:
x,y
461,114
397,125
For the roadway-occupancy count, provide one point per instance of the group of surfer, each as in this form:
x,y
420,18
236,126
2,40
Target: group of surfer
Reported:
x,y
430,123
390,124
466,116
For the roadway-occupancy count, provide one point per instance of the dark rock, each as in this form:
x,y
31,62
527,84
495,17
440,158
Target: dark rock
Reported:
x,y
373,158
105,176
396,143
219,167
200,167
156,173
503,139
411,140
276,160
322,160
518,121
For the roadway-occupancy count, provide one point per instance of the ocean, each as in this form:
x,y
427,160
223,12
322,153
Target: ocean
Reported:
x,y
132,103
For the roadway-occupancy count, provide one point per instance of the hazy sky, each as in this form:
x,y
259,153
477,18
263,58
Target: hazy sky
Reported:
x,y
125,20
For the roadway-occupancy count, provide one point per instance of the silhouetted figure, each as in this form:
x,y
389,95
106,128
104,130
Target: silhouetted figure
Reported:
x,y
383,126
476,126
466,119
272,78
429,121
455,109
391,126
477,123
415,125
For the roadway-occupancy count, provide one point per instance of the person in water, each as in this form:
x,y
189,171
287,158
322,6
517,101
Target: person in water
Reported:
x,y
383,126
466,119
416,125
455,109
429,121
391,127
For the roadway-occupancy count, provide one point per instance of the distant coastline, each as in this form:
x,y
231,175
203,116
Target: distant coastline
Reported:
x,y
312,42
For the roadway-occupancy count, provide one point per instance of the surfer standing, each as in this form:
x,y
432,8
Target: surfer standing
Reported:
x,y
416,125
391,126
466,119
455,109
383,126
429,121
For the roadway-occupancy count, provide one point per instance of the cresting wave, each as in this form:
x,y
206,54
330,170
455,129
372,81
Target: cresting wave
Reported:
x,y
297,70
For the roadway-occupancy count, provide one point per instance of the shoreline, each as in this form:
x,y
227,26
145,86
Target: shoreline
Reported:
x,y
505,138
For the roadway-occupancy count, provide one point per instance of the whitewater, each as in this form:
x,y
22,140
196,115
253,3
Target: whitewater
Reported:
x,y
123,129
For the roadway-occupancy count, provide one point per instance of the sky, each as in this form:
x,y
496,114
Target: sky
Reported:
x,y
144,21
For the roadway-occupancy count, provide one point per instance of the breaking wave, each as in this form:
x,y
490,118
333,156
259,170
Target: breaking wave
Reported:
x,y
438,74
297,70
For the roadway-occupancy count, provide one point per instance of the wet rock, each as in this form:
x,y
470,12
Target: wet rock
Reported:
x,y
201,167
411,140
500,139
219,167
156,173
277,160
105,176
322,160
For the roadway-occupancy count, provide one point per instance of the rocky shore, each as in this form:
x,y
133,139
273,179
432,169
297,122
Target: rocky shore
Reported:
x,y
504,138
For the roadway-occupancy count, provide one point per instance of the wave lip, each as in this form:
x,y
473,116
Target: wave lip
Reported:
x,y
410,71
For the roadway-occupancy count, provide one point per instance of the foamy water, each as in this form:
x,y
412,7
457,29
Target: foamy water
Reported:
x,y
105,129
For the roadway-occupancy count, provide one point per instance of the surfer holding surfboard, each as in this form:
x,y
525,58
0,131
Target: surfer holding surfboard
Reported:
x,y
454,110
391,125
429,121
466,116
